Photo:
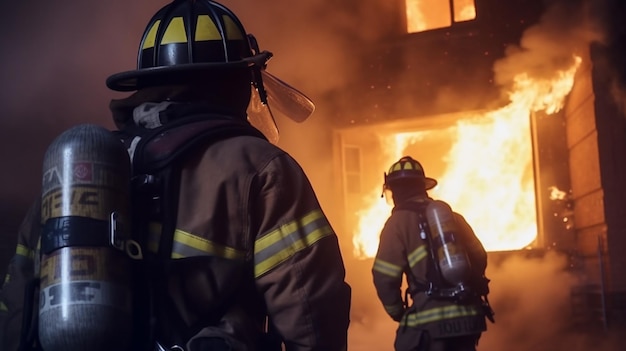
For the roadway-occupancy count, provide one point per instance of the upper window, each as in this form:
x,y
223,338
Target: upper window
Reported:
x,y
423,15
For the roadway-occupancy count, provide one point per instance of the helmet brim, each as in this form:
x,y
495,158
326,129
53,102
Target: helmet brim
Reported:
x,y
167,75
429,183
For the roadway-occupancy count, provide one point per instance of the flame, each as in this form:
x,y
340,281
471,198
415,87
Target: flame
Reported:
x,y
489,169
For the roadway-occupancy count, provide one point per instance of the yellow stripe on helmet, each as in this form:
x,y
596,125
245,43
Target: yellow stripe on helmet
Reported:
x,y
233,31
151,36
175,32
206,29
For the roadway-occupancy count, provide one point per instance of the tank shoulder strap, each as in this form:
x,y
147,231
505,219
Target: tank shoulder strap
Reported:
x,y
433,275
415,206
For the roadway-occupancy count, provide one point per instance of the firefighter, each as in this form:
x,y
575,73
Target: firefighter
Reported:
x,y
439,310
19,278
253,260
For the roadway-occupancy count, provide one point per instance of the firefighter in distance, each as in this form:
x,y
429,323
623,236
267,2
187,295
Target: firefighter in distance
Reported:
x,y
445,306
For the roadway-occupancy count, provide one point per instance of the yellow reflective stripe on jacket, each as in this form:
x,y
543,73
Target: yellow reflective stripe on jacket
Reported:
x,y
394,310
387,268
24,251
281,244
417,255
188,245
3,307
414,319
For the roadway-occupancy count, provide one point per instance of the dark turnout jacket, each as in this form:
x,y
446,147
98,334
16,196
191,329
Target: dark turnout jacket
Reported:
x,y
250,235
402,251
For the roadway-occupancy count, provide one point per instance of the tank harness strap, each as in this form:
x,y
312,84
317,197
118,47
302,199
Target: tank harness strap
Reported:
x,y
433,275
30,328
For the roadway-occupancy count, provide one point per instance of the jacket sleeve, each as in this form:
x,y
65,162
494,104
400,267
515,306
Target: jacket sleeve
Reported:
x,y
20,273
390,264
299,269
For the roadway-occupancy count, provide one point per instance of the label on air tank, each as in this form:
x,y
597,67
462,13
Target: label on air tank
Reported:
x,y
84,292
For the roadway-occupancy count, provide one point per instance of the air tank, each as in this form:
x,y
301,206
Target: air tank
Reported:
x,y
450,254
85,300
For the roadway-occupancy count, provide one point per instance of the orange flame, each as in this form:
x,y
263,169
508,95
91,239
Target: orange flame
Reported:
x,y
489,173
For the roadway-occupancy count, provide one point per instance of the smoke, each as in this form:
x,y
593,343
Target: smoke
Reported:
x,y
608,17
567,28
549,46
531,297
530,294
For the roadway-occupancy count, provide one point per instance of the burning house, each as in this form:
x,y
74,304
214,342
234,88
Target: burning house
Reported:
x,y
510,106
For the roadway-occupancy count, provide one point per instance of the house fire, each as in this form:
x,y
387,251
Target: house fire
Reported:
x,y
511,105
508,105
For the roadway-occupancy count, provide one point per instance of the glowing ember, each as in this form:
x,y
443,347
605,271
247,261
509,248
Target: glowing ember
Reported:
x,y
489,174
556,194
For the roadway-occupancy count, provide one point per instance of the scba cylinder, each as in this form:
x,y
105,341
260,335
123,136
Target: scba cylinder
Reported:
x,y
452,258
85,300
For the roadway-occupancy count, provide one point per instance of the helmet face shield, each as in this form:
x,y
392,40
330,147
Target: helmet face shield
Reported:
x,y
261,117
269,91
286,99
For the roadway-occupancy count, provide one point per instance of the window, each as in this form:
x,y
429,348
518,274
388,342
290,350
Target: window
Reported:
x,y
423,15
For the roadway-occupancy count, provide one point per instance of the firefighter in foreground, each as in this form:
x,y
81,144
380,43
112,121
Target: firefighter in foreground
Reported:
x,y
445,304
232,249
